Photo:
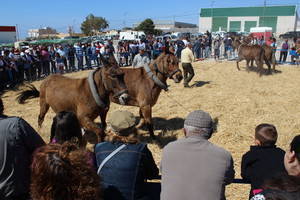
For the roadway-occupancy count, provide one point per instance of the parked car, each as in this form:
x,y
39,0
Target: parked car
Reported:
x,y
290,34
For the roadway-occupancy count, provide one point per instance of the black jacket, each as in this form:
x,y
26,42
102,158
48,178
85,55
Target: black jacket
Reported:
x,y
261,163
18,140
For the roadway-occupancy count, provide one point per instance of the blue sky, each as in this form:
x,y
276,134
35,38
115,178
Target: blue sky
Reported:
x,y
60,14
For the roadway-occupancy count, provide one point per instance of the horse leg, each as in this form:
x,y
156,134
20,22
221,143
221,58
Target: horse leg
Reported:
x,y
44,107
268,64
147,113
142,120
251,63
89,125
237,63
103,118
259,64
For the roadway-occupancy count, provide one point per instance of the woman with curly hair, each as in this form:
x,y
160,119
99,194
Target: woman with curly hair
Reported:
x,y
61,172
124,164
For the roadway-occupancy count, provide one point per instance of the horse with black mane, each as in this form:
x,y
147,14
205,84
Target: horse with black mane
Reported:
x,y
86,97
145,84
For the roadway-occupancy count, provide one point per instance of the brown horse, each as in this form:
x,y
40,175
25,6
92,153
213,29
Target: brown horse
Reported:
x,y
75,95
251,52
269,55
144,90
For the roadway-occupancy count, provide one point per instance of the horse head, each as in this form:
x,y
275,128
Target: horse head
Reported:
x,y
168,65
113,79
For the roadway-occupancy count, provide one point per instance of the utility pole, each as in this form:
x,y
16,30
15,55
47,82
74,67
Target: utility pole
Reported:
x,y
212,14
264,10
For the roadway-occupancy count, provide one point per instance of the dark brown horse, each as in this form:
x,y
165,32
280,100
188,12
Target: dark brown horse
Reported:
x,y
75,95
251,52
144,91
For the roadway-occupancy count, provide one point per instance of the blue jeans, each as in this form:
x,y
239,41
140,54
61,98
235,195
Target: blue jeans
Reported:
x,y
80,61
207,52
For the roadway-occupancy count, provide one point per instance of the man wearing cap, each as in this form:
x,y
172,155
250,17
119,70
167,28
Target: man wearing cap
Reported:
x,y
123,163
193,168
187,58
141,58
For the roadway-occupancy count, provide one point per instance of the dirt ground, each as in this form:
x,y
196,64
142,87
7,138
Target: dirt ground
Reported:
x,y
238,99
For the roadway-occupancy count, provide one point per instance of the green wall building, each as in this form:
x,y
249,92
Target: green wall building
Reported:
x,y
280,18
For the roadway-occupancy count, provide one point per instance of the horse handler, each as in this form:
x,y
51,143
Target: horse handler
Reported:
x,y
187,58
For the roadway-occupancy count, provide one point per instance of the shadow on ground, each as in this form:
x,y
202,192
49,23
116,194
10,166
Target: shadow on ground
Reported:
x,y
200,83
263,72
161,140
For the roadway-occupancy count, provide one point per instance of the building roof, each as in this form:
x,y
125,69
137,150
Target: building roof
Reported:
x,y
249,11
7,29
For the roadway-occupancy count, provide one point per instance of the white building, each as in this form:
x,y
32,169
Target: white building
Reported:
x,y
8,34
280,18
35,33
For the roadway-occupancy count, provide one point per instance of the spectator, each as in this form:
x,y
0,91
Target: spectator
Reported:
x,y
187,58
18,141
193,168
294,55
263,160
140,59
285,187
62,172
3,73
157,48
71,58
180,47
284,51
79,56
123,162
66,127
217,45
63,55
52,60
59,63
197,48
45,59
274,47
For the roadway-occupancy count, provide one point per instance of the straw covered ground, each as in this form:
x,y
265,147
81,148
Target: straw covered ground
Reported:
x,y
238,99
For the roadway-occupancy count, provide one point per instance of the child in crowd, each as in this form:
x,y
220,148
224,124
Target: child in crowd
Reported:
x,y
59,63
264,160
294,55
285,186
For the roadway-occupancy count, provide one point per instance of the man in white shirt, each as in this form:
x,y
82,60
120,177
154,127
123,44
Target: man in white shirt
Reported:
x,y
140,59
187,58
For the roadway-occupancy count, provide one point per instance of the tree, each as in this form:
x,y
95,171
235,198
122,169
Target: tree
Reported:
x,y
157,32
92,25
147,26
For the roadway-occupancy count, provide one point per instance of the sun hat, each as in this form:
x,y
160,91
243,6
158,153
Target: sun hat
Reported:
x,y
121,121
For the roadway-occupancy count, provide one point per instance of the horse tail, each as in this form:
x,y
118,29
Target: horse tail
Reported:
x,y
30,93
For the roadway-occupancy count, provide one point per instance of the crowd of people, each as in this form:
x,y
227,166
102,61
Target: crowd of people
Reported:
x,y
118,168
38,61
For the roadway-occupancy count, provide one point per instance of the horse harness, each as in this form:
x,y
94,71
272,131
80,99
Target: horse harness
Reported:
x,y
155,78
94,91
